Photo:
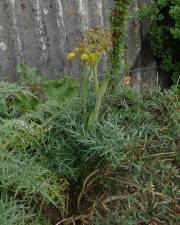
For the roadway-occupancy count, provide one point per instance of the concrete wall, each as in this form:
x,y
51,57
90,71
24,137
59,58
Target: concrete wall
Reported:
x,y
41,32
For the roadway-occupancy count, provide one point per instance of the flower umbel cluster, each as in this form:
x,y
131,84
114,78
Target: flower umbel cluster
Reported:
x,y
95,43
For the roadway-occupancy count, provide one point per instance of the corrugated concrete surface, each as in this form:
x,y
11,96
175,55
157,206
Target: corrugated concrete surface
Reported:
x,y
41,32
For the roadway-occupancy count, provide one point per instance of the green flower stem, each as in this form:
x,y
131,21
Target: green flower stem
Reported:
x,y
85,74
96,82
93,118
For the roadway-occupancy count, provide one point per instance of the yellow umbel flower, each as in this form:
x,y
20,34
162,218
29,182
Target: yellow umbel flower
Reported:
x,y
71,56
84,57
86,49
94,37
77,50
94,56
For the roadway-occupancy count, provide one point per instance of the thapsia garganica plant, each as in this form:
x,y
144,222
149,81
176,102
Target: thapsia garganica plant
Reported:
x,y
98,42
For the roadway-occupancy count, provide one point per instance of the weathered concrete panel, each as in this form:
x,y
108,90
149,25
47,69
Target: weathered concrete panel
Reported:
x,y
41,32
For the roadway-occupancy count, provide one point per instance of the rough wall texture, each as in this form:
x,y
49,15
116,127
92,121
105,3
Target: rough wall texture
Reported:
x,y
41,32
144,67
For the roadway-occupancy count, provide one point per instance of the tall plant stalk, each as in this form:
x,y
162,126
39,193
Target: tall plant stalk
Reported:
x,y
96,43
100,92
85,75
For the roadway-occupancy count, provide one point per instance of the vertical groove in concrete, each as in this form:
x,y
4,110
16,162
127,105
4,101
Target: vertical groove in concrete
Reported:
x,y
15,26
61,24
83,14
40,29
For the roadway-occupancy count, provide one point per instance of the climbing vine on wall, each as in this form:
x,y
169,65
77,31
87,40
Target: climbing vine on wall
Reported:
x,y
165,34
117,21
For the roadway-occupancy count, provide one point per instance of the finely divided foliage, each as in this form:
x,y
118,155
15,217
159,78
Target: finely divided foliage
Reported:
x,y
127,165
